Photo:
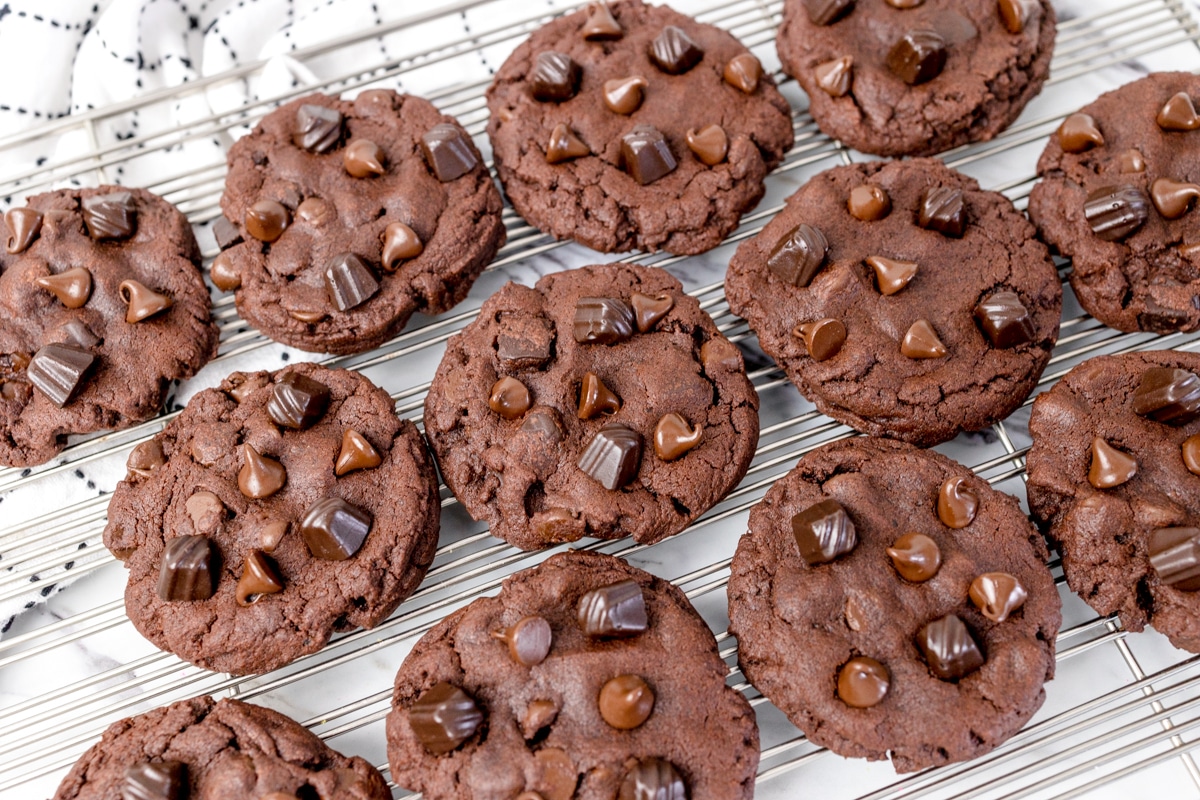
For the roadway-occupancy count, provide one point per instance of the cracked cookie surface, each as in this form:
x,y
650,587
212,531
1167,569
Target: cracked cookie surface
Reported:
x,y
869,382
519,458
800,624
227,478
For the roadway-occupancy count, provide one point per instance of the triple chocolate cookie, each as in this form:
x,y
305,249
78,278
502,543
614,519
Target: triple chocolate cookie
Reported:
x,y
205,748
585,678
633,126
103,306
901,299
894,605
1119,180
274,511
915,77
602,402
1114,474
342,218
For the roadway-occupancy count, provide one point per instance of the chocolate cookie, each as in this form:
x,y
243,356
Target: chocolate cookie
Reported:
x,y
103,306
275,510
901,299
602,402
633,126
1114,474
205,748
585,678
1119,179
348,216
907,77
894,605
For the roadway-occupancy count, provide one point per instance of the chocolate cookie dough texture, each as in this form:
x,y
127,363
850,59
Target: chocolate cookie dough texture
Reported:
x,y
893,605
585,678
1114,474
916,77
602,402
1119,181
901,299
274,511
103,306
205,748
627,126
343,218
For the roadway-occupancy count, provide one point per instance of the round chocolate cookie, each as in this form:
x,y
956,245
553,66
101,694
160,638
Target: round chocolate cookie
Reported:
x,y
893,605
901,299
204,748
585,678
602,402
103,306
906,77
1118,182
634,126
275,510
1114,475
348,216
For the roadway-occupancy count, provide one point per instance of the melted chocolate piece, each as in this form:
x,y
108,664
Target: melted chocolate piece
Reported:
x,y
835,77
949,649
869,203
890,274
155,780
1017,14
349,282
72,287
957,503
297,401
915,556
862,682
226,233
1131,161
1078,132
509,398
1116,211
603,320
1178,114
444,717
674,52
624,95
206,511
612,457
400,243
58,370
189,569
647,310
224,275
555,77
645,154
1110,467
447,152
823,338
260,476
799,255
921,341
616,611
997,595
601,24
827,12
24,225
362,158
266,220
143,302
743,72
710,144
564,145
260,575
335,530
824,531
942,210
110,216
1004,319
1173,199
674,436
626,702
145,458
356,453
1175,556
595,398
317,128
1170,396
528,641
918,56
652,779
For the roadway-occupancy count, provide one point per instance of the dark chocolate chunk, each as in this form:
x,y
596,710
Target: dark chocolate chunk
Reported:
x,y
143,302
555,77
612,456
335,530
949,649
58,370
674,52
652,779
645,154
799,256
525,342
827,12
1005,319
614,611
603,320
1115,212
317,128
824,531
543,422
24,225
155,780
297,401
188,570
444,717
918,56
942,210
1167,395
226,233
447,152
349,282
1175,557
110,216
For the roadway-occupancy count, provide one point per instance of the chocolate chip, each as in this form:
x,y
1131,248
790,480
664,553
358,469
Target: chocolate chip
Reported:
x,y
1178,114
891,275
1078,132
349,282
674,52
799,255
142,301
362,158
835,77
1110,467
223,274
318,128
603,320
444,717
72,287
297,401
595,398
612,456
226,233
743,72
509,398
58,370
720,354
110,216
647,310
528,641
645,154
823,531
601,24
448,152
915,556
188,570
827,12
1115,212
949,649
564,145
626,702
260,476
145,458
260,575
266,220
942,210
555,77
823,338
400,243
1004,318
918,56
24,225
869,202
155,780
335,530
997,595
1131,161
543,423
1191,453
616,611
1173,199
1017,14
710,144
957,503
652,779
862,682
1175,556
624,95
271,534
921,341
674,436
314,211
356,453
904,5
1167,395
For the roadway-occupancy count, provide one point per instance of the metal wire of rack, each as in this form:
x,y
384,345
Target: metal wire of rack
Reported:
x,y
1129,711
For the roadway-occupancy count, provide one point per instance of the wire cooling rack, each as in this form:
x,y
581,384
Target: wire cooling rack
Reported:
x,y
1120,719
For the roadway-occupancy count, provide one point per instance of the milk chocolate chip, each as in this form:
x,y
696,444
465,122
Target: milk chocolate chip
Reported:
x,y
72,287
626,702
835,77
957,503
528,641
1110,467
744,72
892,275
822,338
24,225
915,556
674,436
862,682
1078,132
997,595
